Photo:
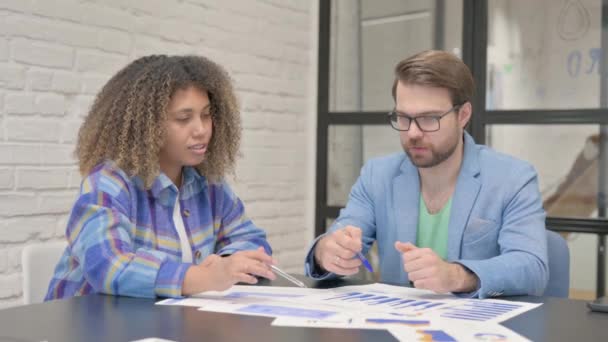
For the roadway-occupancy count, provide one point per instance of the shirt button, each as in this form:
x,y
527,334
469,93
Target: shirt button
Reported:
x,y
186,212
197,254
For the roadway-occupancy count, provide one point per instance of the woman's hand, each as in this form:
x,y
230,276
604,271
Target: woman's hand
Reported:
x,y
218,273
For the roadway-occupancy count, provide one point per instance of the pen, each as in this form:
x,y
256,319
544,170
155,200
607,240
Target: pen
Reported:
x,y
287,276
359,255
365,262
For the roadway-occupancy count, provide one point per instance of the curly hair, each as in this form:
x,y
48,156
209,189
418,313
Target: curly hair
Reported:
x,y
126,123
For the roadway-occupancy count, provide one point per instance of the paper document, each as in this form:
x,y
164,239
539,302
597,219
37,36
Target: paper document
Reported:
x,y
407,313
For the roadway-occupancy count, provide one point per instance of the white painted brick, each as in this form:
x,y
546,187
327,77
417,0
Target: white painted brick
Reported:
x,y
39,79
61,225
23,229
42,54
165,29
242,63
12,77
302,6
20,103
256,82
153,45
253,121
288,241
65,82
277,104
155,8
10,285
63,9
56,203
80,105
253,9
16,5
17,204
106,17
269,139
32,130
213,18
192,12
14,258
75,179
90,61
3,16
42,178
52,154
261,191
12,302
274,209
3,49
291,260
114,41
7,178
284,121
19,154
51,30
3,259
295,54
69,131
92,84
112,3
243,23
51,104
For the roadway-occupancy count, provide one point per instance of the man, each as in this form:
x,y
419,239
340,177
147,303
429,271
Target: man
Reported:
x,y
448,215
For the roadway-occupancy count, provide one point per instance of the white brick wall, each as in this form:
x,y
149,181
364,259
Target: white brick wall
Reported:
x,y
56,55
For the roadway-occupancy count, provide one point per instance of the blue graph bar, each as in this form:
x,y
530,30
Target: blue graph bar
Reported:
x,y
470,318
386,301
274,310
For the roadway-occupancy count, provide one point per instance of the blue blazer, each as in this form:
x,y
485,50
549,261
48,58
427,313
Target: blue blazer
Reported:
x,y
496,228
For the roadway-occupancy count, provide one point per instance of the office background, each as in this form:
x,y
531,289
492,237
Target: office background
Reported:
x,y
54,57
540,96
541,55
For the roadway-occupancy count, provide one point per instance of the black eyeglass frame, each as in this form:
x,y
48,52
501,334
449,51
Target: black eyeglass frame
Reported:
x,y
394,115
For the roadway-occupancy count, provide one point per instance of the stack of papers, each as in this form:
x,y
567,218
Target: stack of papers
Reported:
x,y
409,314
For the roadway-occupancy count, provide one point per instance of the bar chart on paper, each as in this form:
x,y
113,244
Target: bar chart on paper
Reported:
x,y
374,301
481,310
408,303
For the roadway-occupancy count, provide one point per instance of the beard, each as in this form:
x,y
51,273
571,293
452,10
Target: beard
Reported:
x,y
438,156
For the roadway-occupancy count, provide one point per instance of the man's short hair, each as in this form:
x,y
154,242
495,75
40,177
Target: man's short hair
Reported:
x,y
435,68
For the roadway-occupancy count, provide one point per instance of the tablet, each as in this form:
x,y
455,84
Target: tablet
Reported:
x,y
600,304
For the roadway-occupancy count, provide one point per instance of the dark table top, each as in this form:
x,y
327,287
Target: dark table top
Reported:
x,y
110,318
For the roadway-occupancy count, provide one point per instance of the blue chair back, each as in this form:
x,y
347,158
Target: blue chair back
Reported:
x,y
559,266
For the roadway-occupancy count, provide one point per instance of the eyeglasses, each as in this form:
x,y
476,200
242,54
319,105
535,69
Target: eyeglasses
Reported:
x,y
426,123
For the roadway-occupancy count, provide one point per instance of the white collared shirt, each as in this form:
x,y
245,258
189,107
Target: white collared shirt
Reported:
x,y
178,221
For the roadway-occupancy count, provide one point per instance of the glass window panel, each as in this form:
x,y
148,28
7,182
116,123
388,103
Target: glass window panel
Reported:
x,y
566,159
367,40
349,147
544,54
583,263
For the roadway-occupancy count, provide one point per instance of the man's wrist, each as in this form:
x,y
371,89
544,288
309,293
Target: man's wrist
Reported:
x,y
316,255
466,280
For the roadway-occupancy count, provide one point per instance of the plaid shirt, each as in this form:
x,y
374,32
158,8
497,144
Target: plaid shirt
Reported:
x,y
122,239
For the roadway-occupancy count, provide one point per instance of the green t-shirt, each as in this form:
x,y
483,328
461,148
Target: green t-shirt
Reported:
x,y
433,228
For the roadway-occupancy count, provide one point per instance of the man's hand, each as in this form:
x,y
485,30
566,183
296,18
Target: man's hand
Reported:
x,y
218,273
428,271
336,251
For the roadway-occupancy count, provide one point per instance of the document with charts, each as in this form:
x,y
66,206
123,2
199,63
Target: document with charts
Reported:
x,y
401,310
